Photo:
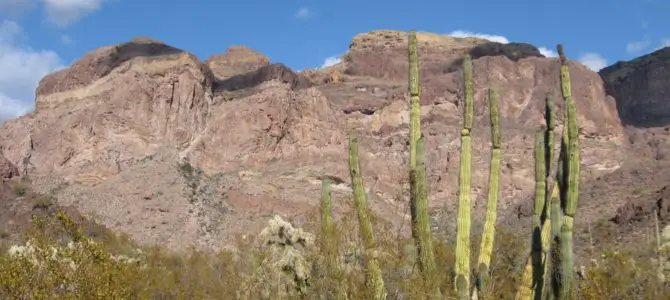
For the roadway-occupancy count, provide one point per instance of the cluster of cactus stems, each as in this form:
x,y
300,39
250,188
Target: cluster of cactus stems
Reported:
x,y
551,257
417,174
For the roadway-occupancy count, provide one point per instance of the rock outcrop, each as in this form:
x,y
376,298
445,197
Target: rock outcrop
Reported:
x,y
7,169
641,88
108,132
237,60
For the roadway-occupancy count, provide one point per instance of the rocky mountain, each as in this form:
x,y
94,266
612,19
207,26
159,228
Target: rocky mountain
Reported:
x,y
148,140
642,89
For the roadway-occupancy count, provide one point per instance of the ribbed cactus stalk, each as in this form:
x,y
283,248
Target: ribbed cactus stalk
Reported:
x,y
424,241
539,213
462,268
571,169
488,237
414,126
414,94
373,275
549,133
328,242
418,185
554,202
539,291
534,270
328,239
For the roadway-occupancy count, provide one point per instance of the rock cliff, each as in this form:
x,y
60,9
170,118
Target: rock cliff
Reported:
x,y
175,151
641,88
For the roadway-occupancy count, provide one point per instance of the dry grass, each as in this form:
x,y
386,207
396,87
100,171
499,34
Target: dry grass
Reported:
x,y
158,274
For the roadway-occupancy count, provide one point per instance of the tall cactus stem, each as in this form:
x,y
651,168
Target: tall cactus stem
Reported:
x,y
486,248
328,242
534,270
414,94
571,171
424,241
373,275
462,267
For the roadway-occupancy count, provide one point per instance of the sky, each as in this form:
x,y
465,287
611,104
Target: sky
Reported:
x,y
41,36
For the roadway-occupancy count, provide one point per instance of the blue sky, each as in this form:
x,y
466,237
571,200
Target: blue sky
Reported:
x,y
39,36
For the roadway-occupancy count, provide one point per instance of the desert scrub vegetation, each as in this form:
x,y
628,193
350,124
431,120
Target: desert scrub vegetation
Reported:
x,y
58,261
358,255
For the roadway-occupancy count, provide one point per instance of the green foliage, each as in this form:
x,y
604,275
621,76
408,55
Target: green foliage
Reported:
x,y
19,188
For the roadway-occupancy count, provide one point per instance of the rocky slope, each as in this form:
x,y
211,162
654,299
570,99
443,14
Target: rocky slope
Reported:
x,y
642,89
116,134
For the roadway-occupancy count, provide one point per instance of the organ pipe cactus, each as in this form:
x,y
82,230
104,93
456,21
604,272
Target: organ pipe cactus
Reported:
x,y
373,275
414,94
423,240
328,243
486,248
570,182
533,272
328,236
418,185
462,266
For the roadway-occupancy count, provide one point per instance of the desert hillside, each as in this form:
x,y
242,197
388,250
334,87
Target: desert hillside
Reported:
x,y
148,140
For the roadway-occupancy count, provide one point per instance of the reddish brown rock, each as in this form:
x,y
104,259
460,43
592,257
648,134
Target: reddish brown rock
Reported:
x,y
237,60
120,125
7,169
271,72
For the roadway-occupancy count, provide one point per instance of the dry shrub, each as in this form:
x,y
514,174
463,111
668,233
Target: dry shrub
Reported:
x,y
112,267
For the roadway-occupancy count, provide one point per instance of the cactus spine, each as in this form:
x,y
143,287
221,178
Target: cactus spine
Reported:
x,y
570,182
486,248
373,275
462,268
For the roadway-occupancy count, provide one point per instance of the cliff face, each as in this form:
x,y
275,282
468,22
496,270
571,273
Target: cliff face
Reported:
x,y
641,88
112,134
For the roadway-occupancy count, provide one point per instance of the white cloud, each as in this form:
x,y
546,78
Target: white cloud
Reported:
x,y
329,61
547,52
304,13
493,38
497,38
59,12
66,39
636,47
66,12
593,61
16,7
21,69
665,42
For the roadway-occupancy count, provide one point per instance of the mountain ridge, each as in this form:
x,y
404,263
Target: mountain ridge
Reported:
x,y
258,134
